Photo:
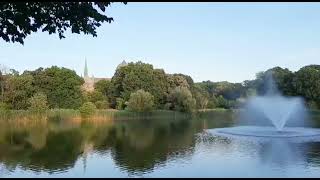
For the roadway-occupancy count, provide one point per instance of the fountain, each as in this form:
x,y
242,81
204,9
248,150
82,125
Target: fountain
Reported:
x,y
276,110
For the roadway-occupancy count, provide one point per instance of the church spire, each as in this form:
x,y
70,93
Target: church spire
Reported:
x,y
85,68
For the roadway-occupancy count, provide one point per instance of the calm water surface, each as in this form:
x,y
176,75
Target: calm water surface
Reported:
x,y
54,147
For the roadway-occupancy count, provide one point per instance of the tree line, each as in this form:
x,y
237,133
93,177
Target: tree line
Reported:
x,y
140,87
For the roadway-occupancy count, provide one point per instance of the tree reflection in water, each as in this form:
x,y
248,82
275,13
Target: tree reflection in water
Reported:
x,y
136,146
56,144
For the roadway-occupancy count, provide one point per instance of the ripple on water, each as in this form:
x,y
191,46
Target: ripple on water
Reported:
x,y
294,134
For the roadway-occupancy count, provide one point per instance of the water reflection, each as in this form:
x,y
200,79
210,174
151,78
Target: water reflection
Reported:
x,y
57,145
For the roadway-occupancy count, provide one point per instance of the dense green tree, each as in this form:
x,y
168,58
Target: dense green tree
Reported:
x,y
4,108
5,73
176,80
120,103
98,98
187,78
221,102
87,109
212,102
201,97
222,94
18,90
180,99
102,104
140,101
95,96
38,103
62,86
20,19
135,76
170,91
103,86
307,84
208,86
2,85
282,78
227,90
160,91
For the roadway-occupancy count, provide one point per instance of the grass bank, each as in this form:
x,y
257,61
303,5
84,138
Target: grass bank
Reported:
x,y
108,114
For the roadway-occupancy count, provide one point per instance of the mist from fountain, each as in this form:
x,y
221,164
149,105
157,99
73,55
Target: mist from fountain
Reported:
x,y
272,115
275,107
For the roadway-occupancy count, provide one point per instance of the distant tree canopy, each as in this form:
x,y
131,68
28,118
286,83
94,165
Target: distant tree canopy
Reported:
x,y
102,86
137,76
18,90
306,83
61,85
19,19
133,85
282,78
222,94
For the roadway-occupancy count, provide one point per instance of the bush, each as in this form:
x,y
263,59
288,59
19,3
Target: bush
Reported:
x,y
141,101
181,99
4,106
312,105
221,102
4,109
102,104
87,109
38,103
95,96
120,104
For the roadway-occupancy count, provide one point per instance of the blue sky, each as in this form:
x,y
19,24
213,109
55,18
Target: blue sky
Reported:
x,y
208,41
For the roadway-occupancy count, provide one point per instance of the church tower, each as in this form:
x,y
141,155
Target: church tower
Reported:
x,y
123,63
88,81
85,69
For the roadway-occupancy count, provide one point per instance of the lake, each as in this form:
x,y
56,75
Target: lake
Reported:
x,y
160,147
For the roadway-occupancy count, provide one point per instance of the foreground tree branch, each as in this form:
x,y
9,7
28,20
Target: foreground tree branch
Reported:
x,y
20,19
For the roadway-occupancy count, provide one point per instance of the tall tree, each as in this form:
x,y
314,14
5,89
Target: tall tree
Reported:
x,y
18,90
307,83
2,84
61,85
140,101
180,99
103,86
3,76
135,76
282,78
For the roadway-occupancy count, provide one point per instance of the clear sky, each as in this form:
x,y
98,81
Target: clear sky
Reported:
x,y
208,41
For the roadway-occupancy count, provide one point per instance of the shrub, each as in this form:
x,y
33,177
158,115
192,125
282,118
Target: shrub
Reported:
x,y
38,103
120,103
95,96
4,109
4,106
87,109
102,104
221,102
181,99
141,101
312,105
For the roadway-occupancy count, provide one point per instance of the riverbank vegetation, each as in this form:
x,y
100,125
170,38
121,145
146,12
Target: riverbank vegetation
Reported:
x,y
139,87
